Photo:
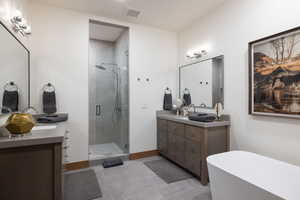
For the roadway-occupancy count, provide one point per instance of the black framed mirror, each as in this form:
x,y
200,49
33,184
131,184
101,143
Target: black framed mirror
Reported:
x,y
15,72
204,80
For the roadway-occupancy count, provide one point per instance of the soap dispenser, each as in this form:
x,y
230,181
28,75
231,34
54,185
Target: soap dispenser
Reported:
x,y
219,110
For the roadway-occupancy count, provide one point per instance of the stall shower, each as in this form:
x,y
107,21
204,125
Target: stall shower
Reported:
x,y
108,91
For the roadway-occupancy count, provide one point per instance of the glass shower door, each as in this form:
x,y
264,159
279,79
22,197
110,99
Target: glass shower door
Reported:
x,y
109,136
108,97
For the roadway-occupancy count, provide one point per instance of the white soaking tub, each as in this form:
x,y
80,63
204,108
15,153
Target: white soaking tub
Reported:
x,y
240,175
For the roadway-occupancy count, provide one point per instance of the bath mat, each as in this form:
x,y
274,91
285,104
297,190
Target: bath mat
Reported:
x,y
81,185
168,171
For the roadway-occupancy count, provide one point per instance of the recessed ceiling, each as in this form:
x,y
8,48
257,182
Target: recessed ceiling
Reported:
x,y
105,32
166,14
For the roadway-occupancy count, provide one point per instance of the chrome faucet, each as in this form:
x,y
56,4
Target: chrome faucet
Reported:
x,y
203,105
192,106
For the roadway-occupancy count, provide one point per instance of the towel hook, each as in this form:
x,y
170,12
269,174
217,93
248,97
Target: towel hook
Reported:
x,y
168,91
48,86
11,84
186,91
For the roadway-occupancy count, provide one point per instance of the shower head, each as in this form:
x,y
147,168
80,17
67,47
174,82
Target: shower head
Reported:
x,y
103,64
100,67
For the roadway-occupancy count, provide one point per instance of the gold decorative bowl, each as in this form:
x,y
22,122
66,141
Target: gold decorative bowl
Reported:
x,y
20,123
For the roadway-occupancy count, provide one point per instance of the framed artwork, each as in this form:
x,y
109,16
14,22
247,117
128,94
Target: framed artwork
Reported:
x,y
274,75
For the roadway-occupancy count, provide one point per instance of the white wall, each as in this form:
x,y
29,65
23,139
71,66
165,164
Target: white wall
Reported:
x,y
59,47
153,55
227,31
60,55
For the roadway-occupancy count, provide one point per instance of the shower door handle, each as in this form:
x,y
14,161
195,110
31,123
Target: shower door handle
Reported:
x,y
98,110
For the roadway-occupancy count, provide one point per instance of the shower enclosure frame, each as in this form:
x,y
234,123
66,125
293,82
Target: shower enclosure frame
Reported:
x,y
127,152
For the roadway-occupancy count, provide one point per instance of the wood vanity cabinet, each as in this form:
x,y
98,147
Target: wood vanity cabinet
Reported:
x,y
163,137
31,172
189,146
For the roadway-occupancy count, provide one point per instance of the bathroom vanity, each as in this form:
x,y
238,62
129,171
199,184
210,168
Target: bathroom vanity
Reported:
x,y
188,143
31,167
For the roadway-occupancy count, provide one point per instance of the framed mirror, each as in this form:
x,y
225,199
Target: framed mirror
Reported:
x,y
204,81
15,72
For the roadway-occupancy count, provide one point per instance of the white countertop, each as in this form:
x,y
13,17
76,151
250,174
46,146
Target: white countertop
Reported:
x,y
181,119
39,135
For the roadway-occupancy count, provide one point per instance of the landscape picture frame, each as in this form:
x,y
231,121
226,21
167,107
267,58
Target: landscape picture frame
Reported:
x,y
274,75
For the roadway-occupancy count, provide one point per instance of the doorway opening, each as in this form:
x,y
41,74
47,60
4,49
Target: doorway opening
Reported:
x,y
108,90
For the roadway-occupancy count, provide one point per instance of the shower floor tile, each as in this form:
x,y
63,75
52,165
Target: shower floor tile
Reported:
x,y
99,151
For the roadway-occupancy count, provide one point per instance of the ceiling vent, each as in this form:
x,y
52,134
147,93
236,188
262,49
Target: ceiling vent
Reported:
x,y
133,13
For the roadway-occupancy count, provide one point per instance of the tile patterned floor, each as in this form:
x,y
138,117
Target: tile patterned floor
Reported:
x,y
135,181
100,151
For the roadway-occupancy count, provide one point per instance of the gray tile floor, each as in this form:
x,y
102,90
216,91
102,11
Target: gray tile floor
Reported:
x,y
100,151
135,181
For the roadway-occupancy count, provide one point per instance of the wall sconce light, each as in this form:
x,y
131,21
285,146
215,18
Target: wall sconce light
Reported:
x,y
19,24
196,54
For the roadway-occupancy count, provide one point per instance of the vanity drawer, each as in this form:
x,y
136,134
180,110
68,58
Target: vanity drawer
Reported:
x,y
176,129
171,146
193,156
180,150
194,133
162,136
163,145
162,125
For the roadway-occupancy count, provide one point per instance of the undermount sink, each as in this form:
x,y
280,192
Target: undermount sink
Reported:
x,y
183,117
37,128
202,117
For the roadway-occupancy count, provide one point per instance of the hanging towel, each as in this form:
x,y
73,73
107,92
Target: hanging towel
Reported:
x,y
49,102
187,100
50,119
168,104
10,100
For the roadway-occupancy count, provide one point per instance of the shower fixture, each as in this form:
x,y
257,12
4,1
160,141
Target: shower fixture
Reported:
x,y
101,66
117,99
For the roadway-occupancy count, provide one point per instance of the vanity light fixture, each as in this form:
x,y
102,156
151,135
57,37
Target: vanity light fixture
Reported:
x,y
18,17
20,24
196,54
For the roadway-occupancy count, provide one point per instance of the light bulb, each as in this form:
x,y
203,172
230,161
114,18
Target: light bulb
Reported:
x,y
28,30
18,17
